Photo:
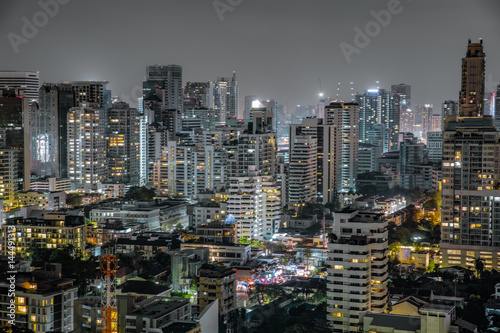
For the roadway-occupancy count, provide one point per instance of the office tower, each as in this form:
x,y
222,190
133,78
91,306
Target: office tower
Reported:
x,y
302,180
402,95
255,203
49,149
9,176
497,109
380,136
226,97
123,144
28,82
411,155
248,105
436,122
328,143
435,146
345,118
358,273
201,92
15,111
471,184
472,90
367,157
217,283
199,117
427,112
407,119
87,163
162,89
377,106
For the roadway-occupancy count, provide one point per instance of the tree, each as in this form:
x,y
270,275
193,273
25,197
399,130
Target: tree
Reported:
x,y
140,193
74,200
244,240
479,265
307,256
431,267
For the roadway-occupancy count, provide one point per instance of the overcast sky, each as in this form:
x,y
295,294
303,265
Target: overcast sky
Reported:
x,y
279,48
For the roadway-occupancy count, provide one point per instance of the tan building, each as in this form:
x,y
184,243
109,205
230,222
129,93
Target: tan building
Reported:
x,y
44,200
217,283
46,229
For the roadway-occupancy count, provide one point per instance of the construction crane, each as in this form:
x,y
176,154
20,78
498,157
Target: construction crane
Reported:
x,y
109,311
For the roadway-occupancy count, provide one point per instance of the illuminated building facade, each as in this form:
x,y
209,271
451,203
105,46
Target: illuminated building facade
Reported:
x,y
123,144
358,268
86,148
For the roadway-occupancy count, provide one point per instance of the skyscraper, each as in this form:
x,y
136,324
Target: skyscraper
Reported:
x,y
377,106
86,147
123,144
345,118
49,148
302,179
471,183
426,120
162,89
472,91
402,94
226,97
27,81
497,109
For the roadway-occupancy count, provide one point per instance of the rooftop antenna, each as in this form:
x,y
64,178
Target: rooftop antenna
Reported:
x,y
338,91
378,84
352,91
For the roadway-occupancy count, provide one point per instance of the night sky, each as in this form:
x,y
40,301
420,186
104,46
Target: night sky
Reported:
x,y
279,48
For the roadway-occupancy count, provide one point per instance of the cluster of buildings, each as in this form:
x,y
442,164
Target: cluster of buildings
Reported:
x,y
228,175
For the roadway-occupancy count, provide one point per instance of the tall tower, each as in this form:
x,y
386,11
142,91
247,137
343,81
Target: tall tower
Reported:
x,y
345,118
471,175
86,148
123,144
472,91
109,309
162,89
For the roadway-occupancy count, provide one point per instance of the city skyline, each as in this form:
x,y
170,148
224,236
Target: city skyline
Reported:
x,y
288,39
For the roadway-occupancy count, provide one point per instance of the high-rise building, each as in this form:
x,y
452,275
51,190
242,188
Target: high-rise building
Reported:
x,y
426,120
302,179
162,89
28,82
49,148
367,157
345,118
248,105
201,92
255,203
411,155
497,108
436,123
471,183
226,97
377,106
402,93
358,270
449,108
9,176
435,146
15,124
266,106
87,163
472,90
123,144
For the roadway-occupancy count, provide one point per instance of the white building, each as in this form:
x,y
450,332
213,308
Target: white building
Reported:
x,y
27,81
86,148
358,271
255,203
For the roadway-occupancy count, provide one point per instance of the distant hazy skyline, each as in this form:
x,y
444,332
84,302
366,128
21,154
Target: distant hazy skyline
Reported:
x,y
279,49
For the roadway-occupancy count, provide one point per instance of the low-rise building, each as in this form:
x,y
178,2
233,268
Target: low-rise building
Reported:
x,y
155,314
42,304
149,244
236,253
44,200
46,229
